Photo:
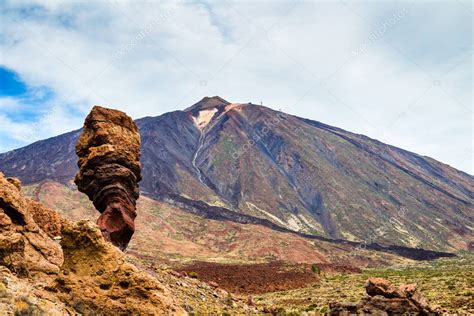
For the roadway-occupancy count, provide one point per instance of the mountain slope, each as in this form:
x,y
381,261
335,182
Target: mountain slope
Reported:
x,y
168,233
299,174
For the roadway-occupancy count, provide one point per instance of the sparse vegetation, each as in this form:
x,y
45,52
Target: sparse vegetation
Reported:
x,y
193,275
445,282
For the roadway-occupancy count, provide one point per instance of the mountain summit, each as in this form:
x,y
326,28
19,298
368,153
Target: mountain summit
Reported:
x,y
207,103
249,161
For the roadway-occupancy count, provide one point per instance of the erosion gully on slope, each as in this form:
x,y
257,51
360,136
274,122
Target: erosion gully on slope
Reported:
x,y
200,144
202,119
205,121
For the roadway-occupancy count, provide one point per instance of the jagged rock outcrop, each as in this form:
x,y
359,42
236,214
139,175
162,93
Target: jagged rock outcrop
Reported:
x,y
25,248
109,162
79,271
47,219
84,274
386,299
96,277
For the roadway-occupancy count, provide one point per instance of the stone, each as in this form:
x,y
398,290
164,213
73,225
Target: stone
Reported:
x,y
383,287
109,171
175,273
385,299
408,289
25,249
420,300
337,308
15,181
47,219
102,278
393,306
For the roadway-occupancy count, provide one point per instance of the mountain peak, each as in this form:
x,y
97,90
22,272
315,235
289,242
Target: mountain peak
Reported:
x,y
207,103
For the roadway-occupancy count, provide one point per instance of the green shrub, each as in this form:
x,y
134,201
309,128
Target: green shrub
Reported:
x,y
311,307
193,275
315,269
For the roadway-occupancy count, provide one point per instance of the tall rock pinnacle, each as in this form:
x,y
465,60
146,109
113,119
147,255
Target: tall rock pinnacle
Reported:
x,y
109,162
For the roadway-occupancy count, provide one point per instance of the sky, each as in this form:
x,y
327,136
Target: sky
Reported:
x,y
396,71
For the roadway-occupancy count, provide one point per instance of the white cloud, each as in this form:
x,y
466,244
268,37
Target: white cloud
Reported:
x,y
8,103
148,58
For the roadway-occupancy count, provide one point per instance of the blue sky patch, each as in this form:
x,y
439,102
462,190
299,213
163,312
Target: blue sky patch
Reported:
x,y
10,83
31,102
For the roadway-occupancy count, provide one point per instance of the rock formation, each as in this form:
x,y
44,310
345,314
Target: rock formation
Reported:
x,y
50,266
96,277
47,219
24,247
386,299
109,162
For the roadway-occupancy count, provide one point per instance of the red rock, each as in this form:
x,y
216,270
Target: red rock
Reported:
x,y
393,306
47,219
408,289
109,162
383,287
385,299
420,300
175,273
250,301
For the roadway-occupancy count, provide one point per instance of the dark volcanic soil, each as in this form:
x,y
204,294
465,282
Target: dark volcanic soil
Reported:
x,y
254,278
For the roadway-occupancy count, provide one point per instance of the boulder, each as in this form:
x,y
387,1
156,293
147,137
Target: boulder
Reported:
x,y
386,299
25,249
109,171
96,278
383,287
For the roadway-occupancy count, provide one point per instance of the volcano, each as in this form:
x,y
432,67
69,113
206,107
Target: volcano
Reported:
x,y
244,162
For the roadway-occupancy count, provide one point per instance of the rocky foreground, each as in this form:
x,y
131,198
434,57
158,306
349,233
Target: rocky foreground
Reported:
x,y
51,265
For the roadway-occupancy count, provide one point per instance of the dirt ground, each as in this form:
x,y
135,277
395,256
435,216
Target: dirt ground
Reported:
x,y
258,278
253,278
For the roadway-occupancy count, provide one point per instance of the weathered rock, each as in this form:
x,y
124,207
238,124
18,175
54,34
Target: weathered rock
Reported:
x,y
15,181
393,306
47,219
385,299
380,286
408,289
25,248
97,278
420,301
337,308
109,162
